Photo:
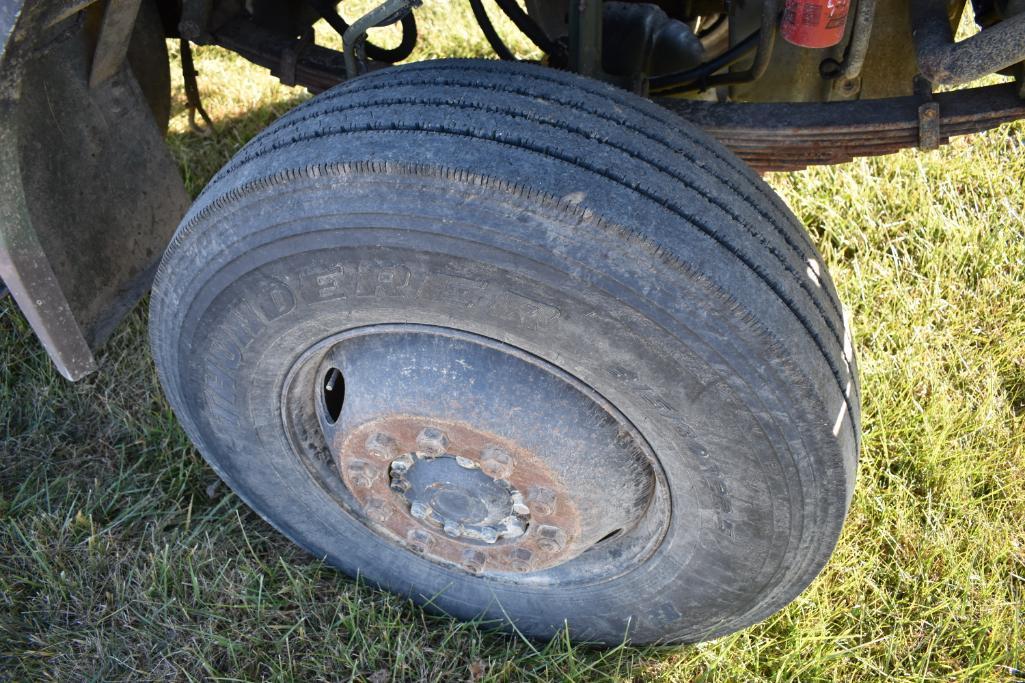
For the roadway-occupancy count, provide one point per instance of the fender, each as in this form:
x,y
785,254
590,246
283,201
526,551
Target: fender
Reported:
x,y
89,193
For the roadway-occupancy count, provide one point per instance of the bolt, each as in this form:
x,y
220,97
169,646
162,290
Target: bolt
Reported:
x,y
542,500
474,560
419,541
378,510
519,559
419,510
496,463
432,442
453,529
514,527
550,539
382,446
362,474
518,506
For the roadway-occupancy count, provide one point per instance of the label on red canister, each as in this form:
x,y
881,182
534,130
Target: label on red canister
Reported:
x,y
814,23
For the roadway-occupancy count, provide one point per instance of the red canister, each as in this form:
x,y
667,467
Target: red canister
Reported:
x,y
814,23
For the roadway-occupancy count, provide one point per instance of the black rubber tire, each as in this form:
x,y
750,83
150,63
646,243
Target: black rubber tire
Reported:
x,y
661,272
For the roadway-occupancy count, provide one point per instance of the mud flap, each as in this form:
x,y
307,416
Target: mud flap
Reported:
x,y
89,194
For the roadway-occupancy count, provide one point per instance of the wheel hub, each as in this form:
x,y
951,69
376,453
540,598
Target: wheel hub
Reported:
x,y
460,495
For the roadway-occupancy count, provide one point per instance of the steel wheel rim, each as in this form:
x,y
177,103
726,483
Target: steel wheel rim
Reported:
x,y
365,455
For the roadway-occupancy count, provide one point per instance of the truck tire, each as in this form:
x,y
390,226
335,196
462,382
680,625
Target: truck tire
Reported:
x,y
520,346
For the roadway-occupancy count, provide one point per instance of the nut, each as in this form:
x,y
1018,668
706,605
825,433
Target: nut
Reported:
x,y
550,539
519,559
474,560
378,510
382,446
518,505
432,442
362,474
496,463
513,527
542,500
419,510
419,541
402,463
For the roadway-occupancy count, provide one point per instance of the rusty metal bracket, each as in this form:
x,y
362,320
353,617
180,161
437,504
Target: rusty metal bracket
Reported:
x,y
929,125
115,34
354,40
928,115
945,62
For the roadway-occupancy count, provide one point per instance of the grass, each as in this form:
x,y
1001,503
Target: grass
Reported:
x,y
122,558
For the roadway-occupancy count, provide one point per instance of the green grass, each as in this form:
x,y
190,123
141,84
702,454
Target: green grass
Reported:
x,y
121,558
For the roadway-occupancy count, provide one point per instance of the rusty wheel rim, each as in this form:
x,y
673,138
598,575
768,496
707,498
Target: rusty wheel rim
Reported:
x,y
475,455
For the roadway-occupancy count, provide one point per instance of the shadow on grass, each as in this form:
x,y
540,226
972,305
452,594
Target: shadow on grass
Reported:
x,y
201,152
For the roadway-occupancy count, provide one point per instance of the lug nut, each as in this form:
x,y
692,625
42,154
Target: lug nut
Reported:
x,y
474,560
550,539
518,506
432,442
419,510
382,446
362,474
496,463
378,510
513,527
419,541
519,559
542,500
402,463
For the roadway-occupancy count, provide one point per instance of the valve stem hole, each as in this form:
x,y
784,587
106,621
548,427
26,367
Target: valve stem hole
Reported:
x,y
334,394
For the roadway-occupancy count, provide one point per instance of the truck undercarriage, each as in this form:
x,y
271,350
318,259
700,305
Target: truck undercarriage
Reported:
x,y
777,105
